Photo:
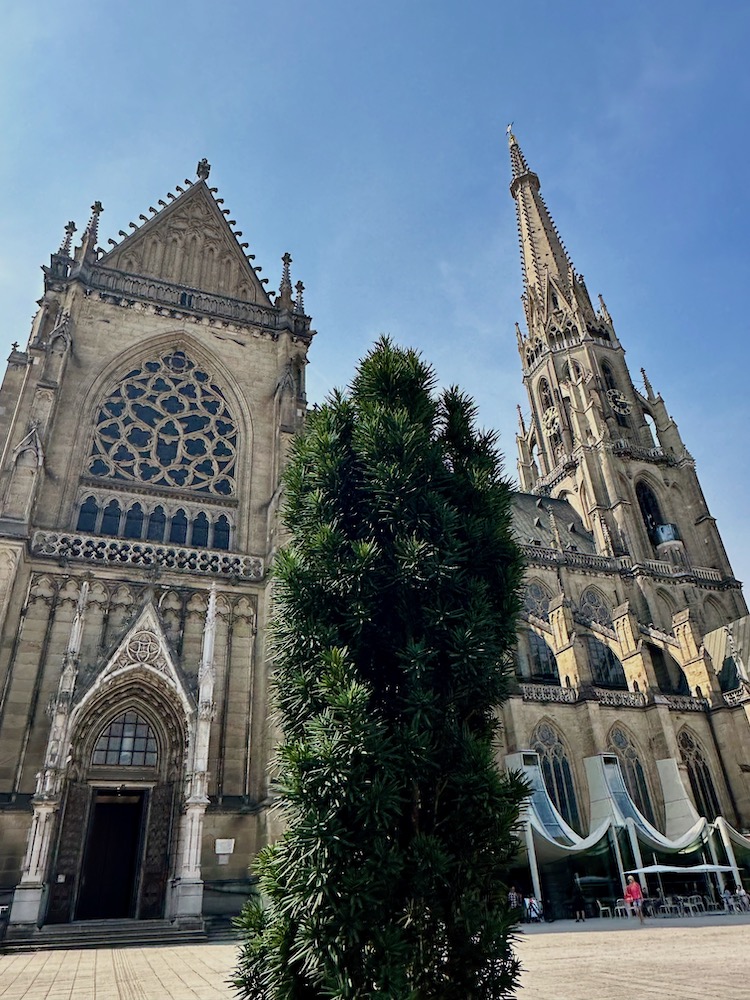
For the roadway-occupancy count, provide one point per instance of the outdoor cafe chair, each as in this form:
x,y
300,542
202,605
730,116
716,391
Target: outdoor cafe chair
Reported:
x,y
621,908
687,903
697,903
669,906
604,911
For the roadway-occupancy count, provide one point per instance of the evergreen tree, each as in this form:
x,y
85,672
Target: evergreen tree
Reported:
x,y
394,615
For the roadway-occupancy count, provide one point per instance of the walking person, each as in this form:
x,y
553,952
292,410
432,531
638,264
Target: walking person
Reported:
x,y
579,902
634,896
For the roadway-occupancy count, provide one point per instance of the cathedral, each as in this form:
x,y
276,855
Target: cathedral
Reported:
x,y
144,429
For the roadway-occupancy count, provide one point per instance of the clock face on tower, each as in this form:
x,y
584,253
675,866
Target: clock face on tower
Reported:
x,y
550,419
618,402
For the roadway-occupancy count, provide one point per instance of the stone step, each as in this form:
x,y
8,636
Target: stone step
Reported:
x,y
101,934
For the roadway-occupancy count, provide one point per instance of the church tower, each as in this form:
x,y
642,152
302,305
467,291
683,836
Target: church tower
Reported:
x,y
595,438
144,428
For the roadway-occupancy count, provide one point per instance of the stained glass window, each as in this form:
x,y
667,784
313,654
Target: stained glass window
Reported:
x,y
594,608
625,749
536,601
606,669
167,423
128,741
557,773
699,773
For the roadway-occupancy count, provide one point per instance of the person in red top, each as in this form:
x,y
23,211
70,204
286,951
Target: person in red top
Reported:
x,y
634,896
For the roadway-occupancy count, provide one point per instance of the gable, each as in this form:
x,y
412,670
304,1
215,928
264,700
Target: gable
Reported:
x,y
190,243
143,651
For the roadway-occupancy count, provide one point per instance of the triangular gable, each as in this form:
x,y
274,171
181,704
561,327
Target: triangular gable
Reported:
x,y
190,243
145,647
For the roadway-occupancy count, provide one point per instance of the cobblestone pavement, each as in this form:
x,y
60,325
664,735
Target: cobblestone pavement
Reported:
x,y
690,959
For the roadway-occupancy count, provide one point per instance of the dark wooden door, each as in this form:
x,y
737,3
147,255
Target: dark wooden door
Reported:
x,y
67,865
111,864
156,858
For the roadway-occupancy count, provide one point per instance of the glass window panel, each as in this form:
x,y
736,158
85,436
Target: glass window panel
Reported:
x,y
87,515
119,745
178,528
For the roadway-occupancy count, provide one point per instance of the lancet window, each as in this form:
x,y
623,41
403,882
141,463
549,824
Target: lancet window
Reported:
x,y
621,744
606,669
128,741
556,771
650,510
535,660
699,773
142,521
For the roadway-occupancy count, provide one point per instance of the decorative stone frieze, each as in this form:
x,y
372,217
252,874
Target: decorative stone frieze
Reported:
x,y
115,552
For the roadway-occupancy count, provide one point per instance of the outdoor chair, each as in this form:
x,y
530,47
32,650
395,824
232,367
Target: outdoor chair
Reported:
x,y
621,908
697,903
711,905
604,911
669,906
688,905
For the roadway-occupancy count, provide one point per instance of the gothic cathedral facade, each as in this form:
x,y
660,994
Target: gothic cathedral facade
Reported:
x,y
144,429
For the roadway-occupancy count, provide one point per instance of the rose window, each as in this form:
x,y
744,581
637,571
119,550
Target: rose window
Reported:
x,y
167,424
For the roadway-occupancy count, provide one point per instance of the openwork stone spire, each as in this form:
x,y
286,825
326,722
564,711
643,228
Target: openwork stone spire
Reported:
x,y
543,254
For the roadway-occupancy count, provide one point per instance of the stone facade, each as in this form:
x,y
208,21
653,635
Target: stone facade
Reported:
x,y
144,429
634,625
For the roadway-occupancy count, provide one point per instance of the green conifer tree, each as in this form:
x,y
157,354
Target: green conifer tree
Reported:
x,y
395,606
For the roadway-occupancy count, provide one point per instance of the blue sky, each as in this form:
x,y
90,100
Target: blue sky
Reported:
x,y
368,140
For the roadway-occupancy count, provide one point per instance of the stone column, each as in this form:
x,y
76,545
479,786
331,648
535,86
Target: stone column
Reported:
x,y
28,897
187,898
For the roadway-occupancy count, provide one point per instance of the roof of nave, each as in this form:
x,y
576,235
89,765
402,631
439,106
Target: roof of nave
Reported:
x,y
551,524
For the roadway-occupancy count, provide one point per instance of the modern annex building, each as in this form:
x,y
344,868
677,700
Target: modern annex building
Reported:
x,y
144,428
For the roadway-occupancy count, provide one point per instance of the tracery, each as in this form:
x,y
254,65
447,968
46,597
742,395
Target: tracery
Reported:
x,y
167,424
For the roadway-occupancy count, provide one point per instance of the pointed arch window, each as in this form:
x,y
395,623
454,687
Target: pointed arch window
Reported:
x,y
650,509
545,395
536,601
221,532
535,661
157,523
111,518
199,533
87,515
594,608
606,669
178,528
622,745
699,773
133,522
556,771
128,741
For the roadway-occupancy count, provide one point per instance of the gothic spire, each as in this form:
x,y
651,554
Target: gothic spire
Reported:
x,y
543,255
64,250
87,250
285,300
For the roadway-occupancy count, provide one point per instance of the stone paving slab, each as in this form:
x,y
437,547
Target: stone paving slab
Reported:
x,y
691,959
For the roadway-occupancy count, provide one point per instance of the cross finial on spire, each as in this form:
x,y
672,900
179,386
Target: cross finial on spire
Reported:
x,y
64,250
203,169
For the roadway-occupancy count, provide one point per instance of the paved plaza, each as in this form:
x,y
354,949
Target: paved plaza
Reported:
x,y
689,959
